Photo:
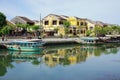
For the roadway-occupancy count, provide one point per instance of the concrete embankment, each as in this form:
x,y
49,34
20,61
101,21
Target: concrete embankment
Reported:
x,y
48,41
57,41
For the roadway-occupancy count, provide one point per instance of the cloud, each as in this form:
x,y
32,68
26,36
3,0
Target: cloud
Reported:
x,y
9,10
93,9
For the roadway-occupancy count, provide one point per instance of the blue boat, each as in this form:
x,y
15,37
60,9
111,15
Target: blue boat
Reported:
x,y
26,45
90,40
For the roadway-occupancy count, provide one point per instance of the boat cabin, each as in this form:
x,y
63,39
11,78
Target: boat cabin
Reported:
x,y
90,40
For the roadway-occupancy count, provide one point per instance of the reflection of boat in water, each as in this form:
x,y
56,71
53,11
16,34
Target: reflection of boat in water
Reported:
x,y
26,45
18,55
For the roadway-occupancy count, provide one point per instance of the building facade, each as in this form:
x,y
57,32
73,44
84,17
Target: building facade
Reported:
x,y
53,23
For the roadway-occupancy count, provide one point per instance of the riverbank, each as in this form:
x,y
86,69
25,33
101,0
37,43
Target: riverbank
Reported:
x,y
48,41
58,41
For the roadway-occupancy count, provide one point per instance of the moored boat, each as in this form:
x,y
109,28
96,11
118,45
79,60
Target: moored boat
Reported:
x,y
26,45
90,40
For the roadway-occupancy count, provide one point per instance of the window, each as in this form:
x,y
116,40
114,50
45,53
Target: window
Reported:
x,y
81,23
46,22
81,31
85,24
91,27
54,22
70,31
78,23
60,22
84,31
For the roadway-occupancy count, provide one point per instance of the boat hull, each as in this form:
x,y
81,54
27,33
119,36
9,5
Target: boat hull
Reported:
x,y
24,49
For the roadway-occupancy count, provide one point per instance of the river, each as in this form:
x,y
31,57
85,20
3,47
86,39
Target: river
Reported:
x,y
63,62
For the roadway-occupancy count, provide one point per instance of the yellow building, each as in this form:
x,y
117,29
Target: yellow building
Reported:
x,y
90,24
52,23
78,26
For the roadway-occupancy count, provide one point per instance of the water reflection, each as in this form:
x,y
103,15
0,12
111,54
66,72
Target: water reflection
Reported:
x,y
53,56
5,62
75,54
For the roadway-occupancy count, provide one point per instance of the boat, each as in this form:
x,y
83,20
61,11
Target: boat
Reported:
x,y
26,45
90,40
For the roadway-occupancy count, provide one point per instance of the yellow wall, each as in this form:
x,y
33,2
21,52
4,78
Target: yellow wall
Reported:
x,y
89,24
61,31
74,22
51,27
50,18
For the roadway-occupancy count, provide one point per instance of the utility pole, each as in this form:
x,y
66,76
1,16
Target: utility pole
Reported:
x,y
40,19
40,25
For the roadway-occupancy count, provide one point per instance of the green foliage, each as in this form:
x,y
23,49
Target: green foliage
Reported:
x,y
2,20
66,24
89,32
5,61
22,25
36,62
35,27
115,29
66,30
3,70
6,30
100,31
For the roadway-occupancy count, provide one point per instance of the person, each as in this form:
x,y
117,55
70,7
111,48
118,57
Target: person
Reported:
x,y
2,37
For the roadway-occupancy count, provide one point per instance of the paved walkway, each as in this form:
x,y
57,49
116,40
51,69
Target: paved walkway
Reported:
x,y
47,40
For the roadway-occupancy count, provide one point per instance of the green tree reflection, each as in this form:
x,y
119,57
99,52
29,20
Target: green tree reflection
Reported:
x,y
5,61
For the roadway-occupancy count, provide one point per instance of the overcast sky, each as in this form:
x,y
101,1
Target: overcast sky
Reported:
x,y
107,11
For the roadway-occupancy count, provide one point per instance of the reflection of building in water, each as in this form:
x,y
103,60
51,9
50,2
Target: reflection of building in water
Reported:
x,y
73,55
65,56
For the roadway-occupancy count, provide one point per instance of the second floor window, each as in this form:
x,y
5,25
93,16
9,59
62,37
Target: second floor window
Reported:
x,y
91,28
60,22
46,22
81,23
54,22
78,23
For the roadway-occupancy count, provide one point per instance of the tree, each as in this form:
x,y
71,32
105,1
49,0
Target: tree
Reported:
x,y
2,20
34,27
115,29
6,30
89,32
100,31
25,26
66,26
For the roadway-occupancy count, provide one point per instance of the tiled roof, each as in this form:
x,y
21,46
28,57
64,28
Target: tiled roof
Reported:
x,y
59,16
26,19
91,21
100,23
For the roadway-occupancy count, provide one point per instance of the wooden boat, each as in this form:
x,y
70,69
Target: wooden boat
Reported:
x,y
26,45
90,40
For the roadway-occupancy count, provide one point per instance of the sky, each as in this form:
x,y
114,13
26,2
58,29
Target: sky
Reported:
x,y
107,11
